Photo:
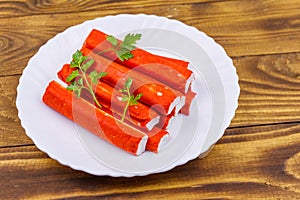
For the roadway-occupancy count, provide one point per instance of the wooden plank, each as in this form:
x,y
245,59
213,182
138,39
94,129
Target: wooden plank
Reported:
x,y
16,8
270,93
233,24
257,162
11,132
270,89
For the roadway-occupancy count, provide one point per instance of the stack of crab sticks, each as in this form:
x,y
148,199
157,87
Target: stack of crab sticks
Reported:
x,y
123,94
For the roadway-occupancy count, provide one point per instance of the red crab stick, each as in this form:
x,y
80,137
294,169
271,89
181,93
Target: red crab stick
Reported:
x,y
95,120
157,137
168,72
166,120
96,38
154,93
188,101
178,62
140,114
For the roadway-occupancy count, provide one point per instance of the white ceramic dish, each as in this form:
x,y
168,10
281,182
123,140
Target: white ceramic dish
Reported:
x,y
216,84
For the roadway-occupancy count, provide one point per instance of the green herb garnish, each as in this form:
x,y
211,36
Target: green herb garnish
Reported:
x,y
129,98
123,49
83,63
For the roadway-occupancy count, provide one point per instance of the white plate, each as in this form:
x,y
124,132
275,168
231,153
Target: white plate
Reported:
x,y
216,84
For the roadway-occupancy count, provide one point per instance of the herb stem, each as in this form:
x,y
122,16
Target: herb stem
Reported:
x,y
105,50
89,87
130,99
95,99
127,105
125,110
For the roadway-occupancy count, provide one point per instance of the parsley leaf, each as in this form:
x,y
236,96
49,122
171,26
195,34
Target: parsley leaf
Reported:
x,y
112,40
76,88
78,78
135,99
127,97
95,76
87,64
130,40
128,83
123,49
124,55
72,76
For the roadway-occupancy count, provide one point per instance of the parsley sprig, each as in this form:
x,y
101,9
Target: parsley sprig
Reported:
x,y
123,49
79,79
128,97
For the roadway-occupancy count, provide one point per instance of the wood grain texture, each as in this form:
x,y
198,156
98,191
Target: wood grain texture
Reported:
x,y
257,162
11,132
24,8
270,89
26,25
257,158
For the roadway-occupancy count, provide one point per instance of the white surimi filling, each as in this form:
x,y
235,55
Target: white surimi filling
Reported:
x,y
171,120
163,141
180,105
142,145
152,123
191,104
173,104
188,83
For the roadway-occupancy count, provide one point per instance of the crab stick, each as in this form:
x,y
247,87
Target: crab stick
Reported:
x,y
178,62
157,136
188,101
95,120
157,139
173,73
162,98
140,114
166,120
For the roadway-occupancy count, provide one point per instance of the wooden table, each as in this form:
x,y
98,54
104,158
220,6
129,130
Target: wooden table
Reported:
x,y
259,155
